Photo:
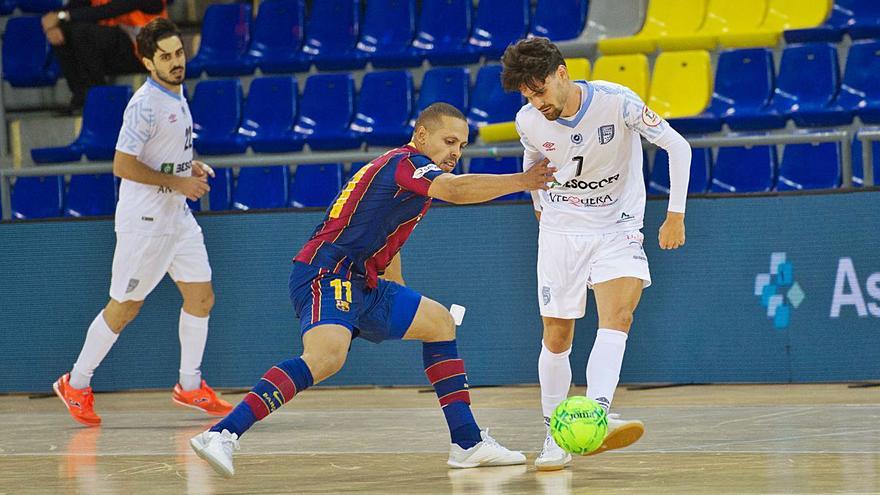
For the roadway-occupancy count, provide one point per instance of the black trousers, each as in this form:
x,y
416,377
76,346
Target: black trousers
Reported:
x,y
90,53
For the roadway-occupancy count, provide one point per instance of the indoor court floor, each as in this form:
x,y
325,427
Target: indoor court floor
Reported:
x,y
700,439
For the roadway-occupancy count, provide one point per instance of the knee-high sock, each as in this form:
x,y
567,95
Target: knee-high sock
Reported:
x,y
193,333
603,367
279,385
99,340
554,374
446,373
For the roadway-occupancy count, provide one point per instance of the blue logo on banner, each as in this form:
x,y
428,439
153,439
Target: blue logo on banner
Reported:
x,y
778,291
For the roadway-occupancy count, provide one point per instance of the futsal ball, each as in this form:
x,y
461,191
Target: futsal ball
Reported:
x,y
579,425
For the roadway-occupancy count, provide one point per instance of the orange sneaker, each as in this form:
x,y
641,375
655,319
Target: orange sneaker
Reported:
x,y
79,402
203,399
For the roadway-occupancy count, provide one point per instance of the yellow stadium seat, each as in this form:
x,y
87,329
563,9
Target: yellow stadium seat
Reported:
x,y
681,85
664,18
723,16
578,70
781,15
628,70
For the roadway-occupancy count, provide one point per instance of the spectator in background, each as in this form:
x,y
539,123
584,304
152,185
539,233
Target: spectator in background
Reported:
x,y
95,38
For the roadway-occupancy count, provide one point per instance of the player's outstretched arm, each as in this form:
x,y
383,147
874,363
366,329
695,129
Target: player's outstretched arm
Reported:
x,y
128,167
479,188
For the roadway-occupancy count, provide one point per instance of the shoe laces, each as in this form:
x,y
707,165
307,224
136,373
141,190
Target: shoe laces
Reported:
x,y
229,442
489,440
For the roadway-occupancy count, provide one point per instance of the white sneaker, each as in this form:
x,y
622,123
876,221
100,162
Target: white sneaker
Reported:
x,y
621,433
216,448
552,457
486,453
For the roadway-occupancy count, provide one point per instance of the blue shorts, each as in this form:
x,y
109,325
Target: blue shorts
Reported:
x,y
321,297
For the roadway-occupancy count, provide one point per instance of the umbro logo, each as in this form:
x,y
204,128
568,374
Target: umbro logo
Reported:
x,y
548,146
172,118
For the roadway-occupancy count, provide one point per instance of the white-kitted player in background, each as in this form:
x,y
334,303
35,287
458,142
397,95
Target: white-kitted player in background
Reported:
x,y
591,220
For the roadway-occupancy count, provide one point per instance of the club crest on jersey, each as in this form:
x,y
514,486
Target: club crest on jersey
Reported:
x,y
548,146
578,138
420,172
650,118
606,133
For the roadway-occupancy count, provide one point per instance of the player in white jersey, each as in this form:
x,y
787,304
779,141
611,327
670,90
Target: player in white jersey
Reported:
x,y
155,231
590,219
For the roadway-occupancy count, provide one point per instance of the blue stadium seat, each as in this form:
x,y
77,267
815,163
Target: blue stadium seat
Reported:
x,y
325,111
315,185
860,90
807,85
559,20
809,166
27,56
831,31
858,170
743,87
701,163
739,169
278,37
269,114
225,34
505,165
7,6
102,119
490,104
865,20
90,195
216,112
39,6
498,23
447,84
332,34
220,195
386,34
37,197
261,187
385,104
444,28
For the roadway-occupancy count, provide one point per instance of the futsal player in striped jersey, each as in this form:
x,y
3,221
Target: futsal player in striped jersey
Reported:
x,y
340,289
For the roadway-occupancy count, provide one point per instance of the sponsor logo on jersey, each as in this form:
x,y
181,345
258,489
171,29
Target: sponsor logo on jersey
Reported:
x,y
582,202
172,118
650,118
420,172
590,185
606,133
548,146
578,138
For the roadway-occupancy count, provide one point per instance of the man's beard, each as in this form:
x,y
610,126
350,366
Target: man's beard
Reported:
x,y
170,78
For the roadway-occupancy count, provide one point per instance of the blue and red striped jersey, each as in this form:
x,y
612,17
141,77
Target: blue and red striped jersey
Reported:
x,y
373,215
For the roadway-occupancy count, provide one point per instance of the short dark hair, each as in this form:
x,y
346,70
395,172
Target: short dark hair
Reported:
x,y
434,111
528,63
150,35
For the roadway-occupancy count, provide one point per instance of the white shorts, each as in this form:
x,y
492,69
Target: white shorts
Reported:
x,y
570,264
140,261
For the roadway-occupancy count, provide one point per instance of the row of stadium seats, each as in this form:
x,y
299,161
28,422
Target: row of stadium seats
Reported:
x,y
7,7
391,35
733,170
276,119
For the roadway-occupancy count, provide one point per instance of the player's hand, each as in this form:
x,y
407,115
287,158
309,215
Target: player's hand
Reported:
x,y
192,187
55,36
672,231
49,21
538,176
202,169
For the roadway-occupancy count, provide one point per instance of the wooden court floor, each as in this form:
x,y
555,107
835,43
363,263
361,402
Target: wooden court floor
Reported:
x,y
700,439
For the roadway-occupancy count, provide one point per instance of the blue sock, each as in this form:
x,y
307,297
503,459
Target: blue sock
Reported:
x,y
279,385
446,373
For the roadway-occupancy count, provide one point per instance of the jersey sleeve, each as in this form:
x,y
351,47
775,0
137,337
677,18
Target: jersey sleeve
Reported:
x,y
416,173
138,126
531,155
638,117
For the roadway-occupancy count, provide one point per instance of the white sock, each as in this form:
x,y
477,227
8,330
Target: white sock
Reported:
x,y
554,373
603,367
193,335
99,340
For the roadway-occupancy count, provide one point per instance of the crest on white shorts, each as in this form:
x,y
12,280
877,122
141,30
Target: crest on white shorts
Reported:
x,y
132,285
545,294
